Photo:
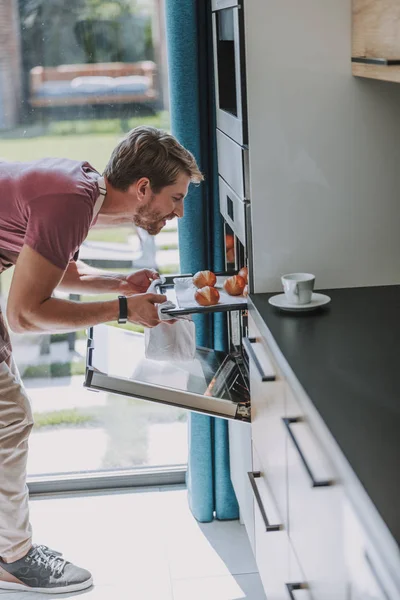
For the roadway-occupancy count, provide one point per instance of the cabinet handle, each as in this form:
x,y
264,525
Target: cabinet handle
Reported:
x,y
291,587
372,60
247,343
315,483
252,477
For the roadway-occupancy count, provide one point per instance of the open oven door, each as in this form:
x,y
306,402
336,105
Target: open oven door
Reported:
x,y
214,383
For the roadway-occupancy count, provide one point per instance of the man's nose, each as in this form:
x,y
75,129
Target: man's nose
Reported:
x,y
179,209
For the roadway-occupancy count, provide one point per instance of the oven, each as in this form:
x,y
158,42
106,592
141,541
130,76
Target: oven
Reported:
x,y
229,68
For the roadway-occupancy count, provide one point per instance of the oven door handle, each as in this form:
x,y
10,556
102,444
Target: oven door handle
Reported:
x,y
247,344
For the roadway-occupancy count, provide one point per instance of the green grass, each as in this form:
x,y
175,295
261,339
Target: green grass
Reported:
x,y
57,369
81,140
61,417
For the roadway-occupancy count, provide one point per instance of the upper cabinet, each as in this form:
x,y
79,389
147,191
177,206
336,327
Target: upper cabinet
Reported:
x,y
376,39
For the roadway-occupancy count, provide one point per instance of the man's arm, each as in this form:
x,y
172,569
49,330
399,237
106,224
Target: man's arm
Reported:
x,y
80,278
30,306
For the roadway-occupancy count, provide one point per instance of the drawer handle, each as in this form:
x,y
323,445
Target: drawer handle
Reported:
x,y
315,483
292,587
247,343
252,477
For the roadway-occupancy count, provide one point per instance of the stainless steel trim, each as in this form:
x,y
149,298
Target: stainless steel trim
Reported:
x,y
238,222
227,122
246,173
231,163
221,4
230,124
249,246
172,397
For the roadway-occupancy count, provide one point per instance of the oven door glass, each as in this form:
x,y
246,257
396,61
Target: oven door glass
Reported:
x,y
213,383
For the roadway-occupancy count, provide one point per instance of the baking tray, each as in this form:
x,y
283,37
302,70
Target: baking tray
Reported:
x,y
168,288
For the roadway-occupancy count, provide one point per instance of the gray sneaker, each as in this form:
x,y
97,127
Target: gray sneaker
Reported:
x,y
43,570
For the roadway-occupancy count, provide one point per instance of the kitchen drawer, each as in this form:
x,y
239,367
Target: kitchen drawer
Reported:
x,y
233,209
277,564
233,164
267,413
241,462
315,507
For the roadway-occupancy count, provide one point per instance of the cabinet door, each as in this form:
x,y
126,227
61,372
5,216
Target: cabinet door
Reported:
x,y
367,575
241,462
315,508
277,564
267,412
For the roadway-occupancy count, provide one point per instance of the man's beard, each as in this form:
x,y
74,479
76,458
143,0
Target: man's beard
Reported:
x,y
148,219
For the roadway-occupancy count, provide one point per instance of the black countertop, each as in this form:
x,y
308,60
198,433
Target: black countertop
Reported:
x,y
347,358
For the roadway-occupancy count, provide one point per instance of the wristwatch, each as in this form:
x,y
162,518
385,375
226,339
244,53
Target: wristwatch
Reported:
x,y
123,309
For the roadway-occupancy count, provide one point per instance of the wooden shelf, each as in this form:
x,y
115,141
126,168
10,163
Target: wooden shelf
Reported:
x,y
382,72
376,27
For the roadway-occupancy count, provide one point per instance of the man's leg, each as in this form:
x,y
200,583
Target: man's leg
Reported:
x,y
16,422
24,566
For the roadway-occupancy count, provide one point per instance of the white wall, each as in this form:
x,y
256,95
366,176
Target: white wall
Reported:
x,y
324,150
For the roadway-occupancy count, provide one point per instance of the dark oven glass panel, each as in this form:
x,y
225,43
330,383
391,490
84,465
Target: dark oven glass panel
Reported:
x,y
226,61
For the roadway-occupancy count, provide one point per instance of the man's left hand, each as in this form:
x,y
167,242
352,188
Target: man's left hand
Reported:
x,y
138,283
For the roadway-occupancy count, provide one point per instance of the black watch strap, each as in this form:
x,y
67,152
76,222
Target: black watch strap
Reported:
x,y
123,309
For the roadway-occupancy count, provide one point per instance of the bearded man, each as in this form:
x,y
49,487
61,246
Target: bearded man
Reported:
x,y
46,210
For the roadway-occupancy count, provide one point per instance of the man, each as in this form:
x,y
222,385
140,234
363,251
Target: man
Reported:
x,y
46,210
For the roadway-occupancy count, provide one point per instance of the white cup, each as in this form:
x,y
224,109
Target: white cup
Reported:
x,y
298,287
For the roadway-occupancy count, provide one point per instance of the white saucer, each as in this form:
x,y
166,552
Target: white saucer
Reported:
x,y
317,300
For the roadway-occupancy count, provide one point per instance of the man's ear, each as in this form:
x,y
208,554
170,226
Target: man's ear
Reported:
x,y
142,188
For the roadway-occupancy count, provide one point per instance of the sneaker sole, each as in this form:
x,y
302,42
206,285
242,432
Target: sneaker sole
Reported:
x,y
5,585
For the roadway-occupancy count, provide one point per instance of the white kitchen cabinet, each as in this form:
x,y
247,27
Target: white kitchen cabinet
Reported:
x,y
241,462
315,507
277,564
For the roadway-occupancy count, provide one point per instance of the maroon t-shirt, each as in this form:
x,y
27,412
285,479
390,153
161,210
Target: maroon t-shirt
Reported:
x,y
47,204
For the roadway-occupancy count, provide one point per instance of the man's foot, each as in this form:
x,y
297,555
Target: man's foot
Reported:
x,y
43,570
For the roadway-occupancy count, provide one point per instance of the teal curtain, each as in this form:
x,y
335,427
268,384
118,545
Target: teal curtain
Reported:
x,y
190,66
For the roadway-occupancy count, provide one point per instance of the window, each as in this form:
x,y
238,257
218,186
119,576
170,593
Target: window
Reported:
x,y
74,77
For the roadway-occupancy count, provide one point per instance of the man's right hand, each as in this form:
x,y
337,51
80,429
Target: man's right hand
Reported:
x,y
142,309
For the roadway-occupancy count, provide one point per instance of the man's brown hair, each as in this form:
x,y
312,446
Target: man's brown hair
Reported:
x,y
153,153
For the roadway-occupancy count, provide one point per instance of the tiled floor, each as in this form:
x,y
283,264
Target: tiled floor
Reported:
x,y
145,545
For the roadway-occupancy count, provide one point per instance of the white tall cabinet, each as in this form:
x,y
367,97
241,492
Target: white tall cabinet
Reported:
x,y
324,150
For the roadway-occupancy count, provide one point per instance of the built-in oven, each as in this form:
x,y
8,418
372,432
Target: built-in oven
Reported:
x,y
229,68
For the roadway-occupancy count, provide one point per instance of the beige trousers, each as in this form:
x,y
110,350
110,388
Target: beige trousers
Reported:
x,y
16,422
